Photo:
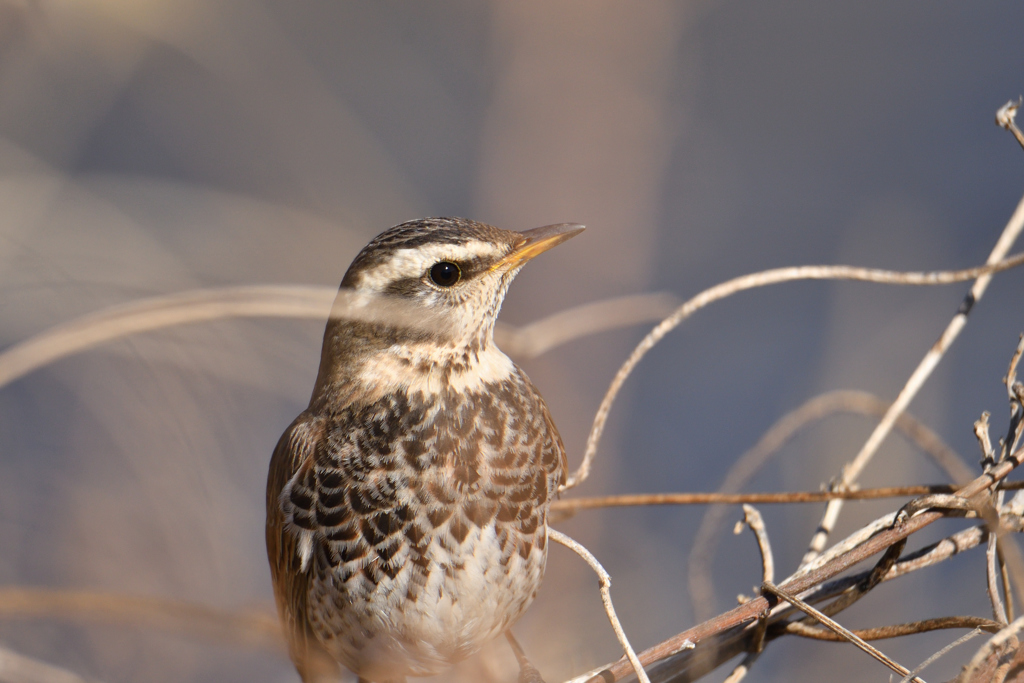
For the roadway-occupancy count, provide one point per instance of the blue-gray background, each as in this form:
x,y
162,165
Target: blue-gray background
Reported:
x,y
153,146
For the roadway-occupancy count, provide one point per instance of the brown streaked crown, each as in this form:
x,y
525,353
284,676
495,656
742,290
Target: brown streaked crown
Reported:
x,y
418,233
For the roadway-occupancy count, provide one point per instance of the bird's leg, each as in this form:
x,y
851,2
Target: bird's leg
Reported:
x,y
527,672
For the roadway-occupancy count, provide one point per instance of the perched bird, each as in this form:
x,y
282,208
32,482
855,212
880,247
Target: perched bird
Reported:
x,y
407,505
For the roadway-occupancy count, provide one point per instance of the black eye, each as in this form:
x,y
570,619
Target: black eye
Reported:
x,y
445,273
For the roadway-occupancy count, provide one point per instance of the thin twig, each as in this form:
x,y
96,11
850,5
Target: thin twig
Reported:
x,y
1005,119
781,497
755,522
752,281
961,541
839,629
928,662
155,313
992,579
705,541
857,548
743,668
318,303
1011,372
984,437
917,379
1013,561
957,543
896,630
605,582
873,578
540,336
1015,392
752,518
1007,636
1004,577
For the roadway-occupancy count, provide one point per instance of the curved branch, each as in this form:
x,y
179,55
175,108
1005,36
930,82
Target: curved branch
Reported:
x,y
752,281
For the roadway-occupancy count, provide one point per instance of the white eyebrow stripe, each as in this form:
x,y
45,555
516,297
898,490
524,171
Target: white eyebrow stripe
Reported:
x,y
415,261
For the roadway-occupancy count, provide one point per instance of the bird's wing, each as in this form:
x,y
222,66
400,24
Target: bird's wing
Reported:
x,y
294,454
347,502
551,458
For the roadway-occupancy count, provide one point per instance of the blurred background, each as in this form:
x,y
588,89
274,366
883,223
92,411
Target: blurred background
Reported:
x,y
153,146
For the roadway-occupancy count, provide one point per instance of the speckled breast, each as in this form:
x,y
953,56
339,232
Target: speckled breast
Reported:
x,y
430,516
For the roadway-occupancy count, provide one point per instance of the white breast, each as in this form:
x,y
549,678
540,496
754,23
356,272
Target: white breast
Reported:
x,y
414,368
451,618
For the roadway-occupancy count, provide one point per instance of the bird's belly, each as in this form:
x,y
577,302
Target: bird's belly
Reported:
x,y
433,612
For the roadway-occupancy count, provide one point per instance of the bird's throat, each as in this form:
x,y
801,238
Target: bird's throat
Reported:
x,y
432,369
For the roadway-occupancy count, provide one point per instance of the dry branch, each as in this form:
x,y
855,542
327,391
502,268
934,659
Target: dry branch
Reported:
x,y
839,629
641,499
705,542
917,379
763,279
721,638
604,584
318,303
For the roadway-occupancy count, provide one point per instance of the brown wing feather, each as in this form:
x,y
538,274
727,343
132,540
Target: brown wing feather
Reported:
x,y
294,450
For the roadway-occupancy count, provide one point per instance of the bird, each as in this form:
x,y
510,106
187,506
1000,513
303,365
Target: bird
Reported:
x,y
407,504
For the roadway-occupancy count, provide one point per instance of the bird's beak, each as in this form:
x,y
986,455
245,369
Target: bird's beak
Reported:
x,y
537,241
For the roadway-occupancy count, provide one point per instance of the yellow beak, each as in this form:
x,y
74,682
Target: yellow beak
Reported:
x,y
537,241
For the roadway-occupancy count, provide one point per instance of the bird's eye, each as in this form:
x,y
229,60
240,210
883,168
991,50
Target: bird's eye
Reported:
x,y
445,273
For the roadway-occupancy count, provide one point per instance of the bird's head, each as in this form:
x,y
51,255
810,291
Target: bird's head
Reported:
x,y
451,273
426,293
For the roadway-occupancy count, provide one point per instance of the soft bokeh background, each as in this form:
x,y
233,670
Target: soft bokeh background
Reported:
x,y
154,146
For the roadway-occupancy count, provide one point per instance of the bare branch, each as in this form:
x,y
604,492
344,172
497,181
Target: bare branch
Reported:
x,y
743,668
982,434
992,580
159,312
542,335
954,544
605,582
917,379
1005,119
706,540
928,662
868,583
319,303
752,518
839,629
753,281
1011,372
861,545
896,630
641,499
996,647
1015,392
1004,577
